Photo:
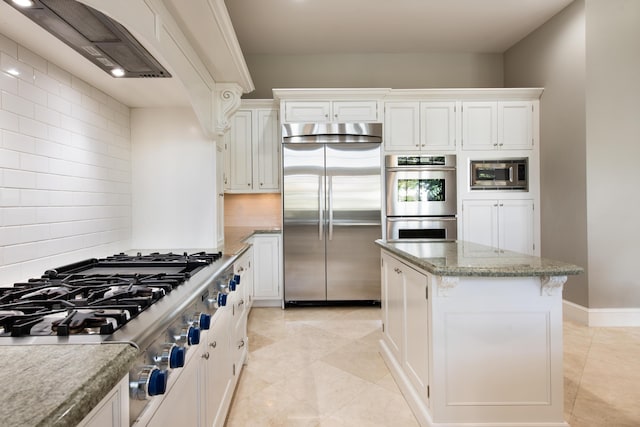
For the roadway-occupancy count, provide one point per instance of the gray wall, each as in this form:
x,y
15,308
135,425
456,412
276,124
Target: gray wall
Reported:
x,y
553,57
398,71
613,151
588,60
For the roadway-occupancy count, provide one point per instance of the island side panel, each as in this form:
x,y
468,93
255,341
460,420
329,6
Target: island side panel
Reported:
x,y
497,350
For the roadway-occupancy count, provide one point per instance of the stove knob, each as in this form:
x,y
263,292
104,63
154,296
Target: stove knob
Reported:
x,y
165,358
176,357
205,321
232,285
236,278
222,300
193,335
149,381
157,382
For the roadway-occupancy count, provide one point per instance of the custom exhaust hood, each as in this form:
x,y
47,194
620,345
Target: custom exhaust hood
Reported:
x,y
94,35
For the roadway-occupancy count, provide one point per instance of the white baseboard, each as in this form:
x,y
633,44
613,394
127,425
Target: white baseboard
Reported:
x,y
601,317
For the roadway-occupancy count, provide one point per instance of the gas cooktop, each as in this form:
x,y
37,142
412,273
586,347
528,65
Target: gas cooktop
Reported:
x,y
96,296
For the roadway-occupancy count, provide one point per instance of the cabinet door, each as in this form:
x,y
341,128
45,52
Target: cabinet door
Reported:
x,y
480,222
220,187
113,409
437,125
239,151
355,111
266,268
417,330
479,125
218,370
515,125
266,151
402,126
244,268
182,406
516,226
393,279
307,111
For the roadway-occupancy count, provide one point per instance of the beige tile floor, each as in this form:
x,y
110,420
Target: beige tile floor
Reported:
x,y
321,367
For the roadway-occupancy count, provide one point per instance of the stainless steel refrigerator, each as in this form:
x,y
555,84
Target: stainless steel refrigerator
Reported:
x,y
331,197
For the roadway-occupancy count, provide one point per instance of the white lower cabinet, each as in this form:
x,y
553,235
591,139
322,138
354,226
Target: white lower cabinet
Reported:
x,y
218,371
406,320
113,409
502,224
267,269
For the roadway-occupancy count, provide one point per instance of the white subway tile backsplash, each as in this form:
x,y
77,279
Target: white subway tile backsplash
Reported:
x,y
9,121
48,116
14,178
47,83
9,197
70,94
19,216
8,46
18,142
60,135
31,58
33,127
8,83
13,66
59,104
30,197
59,74
34,163
17,105
65,167
9,159
28,90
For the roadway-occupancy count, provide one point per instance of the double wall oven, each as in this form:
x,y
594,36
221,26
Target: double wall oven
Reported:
x,y
421,200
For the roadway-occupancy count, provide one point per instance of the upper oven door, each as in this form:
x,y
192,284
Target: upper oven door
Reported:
x,y
420,192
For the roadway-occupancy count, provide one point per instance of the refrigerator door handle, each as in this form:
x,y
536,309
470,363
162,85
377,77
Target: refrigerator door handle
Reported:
x,y
320,206
330,180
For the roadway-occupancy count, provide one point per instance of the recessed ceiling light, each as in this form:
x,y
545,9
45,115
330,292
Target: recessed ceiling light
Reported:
x,y
23,3
117,72
13,72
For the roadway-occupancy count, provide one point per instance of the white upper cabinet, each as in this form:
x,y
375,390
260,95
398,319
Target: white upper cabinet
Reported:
x,y
331,111
402,126
420,126
438,125
497,125
253,152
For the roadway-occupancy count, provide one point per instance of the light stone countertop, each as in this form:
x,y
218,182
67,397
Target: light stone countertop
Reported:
x,y
459,258
58,385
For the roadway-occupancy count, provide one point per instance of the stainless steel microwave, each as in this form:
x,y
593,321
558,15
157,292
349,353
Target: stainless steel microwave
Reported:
x,y
502,174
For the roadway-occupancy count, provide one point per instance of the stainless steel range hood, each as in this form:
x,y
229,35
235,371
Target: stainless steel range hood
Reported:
x,y
94,35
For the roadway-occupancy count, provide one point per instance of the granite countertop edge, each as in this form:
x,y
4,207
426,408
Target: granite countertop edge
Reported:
x,y
73,410
516,270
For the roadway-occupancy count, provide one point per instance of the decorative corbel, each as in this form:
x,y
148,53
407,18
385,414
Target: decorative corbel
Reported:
x,y
551,285
226,103
446,283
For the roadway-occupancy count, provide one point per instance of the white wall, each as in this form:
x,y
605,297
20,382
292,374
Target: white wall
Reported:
x,y
553,57
65,183
613,151
174,192
398,71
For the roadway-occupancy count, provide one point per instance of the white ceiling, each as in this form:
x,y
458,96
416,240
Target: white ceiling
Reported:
x,y
313,27
386,26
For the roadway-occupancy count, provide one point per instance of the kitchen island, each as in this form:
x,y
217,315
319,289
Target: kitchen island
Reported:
x,y
473,334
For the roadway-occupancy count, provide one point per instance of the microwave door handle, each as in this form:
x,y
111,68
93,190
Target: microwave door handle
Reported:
x,y
510,174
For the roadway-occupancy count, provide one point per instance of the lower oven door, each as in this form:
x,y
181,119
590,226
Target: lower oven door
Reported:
x,y
421,228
